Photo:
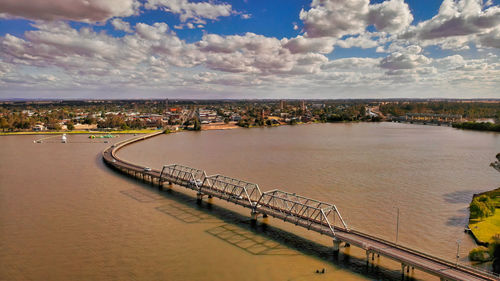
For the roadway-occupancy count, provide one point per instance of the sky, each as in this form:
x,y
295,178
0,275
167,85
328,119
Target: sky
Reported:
x,y
251,49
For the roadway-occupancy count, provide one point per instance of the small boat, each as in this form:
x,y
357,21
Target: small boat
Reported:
x,y
63,138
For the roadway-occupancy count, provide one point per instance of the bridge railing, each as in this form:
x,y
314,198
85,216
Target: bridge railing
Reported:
x,y
231,188
444,261
301,210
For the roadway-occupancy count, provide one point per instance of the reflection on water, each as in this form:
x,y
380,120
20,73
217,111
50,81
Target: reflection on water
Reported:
x,y
65,216
248,241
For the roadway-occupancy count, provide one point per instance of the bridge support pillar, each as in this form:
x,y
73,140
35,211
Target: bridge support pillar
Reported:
x,y
403,268
254,215
199,196
336,245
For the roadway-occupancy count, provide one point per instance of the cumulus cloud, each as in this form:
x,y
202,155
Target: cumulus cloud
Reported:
x,y
196,11
301,44
409,58
490,39
119,24
336,18
76,10
457,23
363,41
151,32
390,16
254,53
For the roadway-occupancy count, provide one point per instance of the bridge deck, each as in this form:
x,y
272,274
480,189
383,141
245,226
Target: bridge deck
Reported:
x,y
308,213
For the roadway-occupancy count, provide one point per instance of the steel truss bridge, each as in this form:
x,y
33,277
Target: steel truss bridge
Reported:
x,y
309,213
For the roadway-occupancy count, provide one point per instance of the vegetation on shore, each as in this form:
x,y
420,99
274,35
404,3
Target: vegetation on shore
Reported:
x,y
478,126
484,219
469,110
144,131
484,223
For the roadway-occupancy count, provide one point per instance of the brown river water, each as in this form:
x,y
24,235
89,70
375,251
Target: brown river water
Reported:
x,y
64,215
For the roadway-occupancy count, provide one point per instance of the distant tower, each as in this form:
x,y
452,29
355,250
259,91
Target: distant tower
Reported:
x,y
303,105
262,114
282,104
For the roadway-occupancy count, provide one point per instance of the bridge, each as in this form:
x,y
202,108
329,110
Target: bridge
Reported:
x,y
315,215
429,118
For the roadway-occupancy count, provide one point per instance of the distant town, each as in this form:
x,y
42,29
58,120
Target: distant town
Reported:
x,y
120,115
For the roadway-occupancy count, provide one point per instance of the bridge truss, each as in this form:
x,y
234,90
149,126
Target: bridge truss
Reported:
x,y
183,175
301,210
231,188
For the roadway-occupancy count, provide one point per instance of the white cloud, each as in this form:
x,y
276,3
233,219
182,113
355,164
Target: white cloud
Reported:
x,y
76,10
119,24
336,18
301,44
458,23
196,11
154,57
363,41
490,39
409,58
151,32
390,16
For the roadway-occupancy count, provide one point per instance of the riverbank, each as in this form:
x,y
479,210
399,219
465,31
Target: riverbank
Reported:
x,y
145,131
483,230
477,126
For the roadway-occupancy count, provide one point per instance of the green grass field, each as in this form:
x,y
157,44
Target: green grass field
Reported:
x,y
484,229
146,131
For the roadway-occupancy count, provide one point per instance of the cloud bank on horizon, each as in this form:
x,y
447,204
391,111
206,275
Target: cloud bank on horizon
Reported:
x,y
242,49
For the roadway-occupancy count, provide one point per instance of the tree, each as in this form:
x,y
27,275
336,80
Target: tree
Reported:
x,y
481,207
494,249
4,124
197,125
70,125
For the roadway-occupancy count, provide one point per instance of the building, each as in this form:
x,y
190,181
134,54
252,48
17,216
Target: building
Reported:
x,y
282,104
207,116
39,127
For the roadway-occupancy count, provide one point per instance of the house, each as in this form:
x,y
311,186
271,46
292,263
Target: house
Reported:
x,y
39,127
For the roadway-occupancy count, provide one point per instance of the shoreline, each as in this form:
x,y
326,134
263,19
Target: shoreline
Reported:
x,y
145,131
472,225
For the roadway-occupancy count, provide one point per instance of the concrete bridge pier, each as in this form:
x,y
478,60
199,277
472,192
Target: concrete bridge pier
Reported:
x,y
199,196
254,215
336,245
407,268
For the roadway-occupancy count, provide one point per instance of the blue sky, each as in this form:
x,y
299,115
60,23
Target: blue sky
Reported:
x,y
249,49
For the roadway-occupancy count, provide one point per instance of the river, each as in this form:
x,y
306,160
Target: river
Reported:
x,y
65,216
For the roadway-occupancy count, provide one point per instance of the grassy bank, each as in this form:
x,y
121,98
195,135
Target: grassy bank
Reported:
x,y
478,126
483,229
145,131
